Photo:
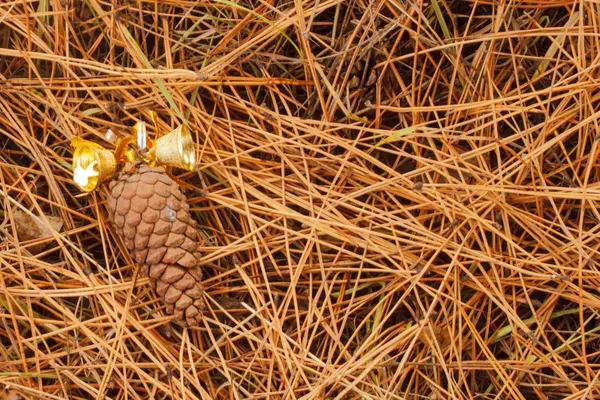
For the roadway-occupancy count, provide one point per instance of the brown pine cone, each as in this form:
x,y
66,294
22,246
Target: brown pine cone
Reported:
x,y
152,216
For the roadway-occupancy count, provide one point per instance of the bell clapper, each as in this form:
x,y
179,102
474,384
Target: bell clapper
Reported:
x,y
81,175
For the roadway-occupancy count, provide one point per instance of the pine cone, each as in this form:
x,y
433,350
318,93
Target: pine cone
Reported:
x,y
152,216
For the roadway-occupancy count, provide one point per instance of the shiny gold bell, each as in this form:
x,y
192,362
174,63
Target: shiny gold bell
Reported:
x,y
175,149
92,164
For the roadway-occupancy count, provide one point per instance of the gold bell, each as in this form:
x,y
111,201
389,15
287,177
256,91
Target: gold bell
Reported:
x,y
175,149
92,164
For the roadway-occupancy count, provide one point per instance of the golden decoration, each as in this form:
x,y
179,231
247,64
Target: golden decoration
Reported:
x,y
93,164
175,149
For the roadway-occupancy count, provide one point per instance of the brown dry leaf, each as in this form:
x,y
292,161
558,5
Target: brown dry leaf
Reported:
x,y
442,337
30,227
12,395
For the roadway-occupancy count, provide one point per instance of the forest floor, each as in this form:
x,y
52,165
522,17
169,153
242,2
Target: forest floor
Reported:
x,y
399,199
